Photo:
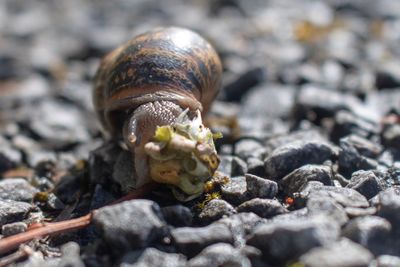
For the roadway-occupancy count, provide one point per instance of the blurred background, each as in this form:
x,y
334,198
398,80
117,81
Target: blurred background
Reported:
x,y
49,52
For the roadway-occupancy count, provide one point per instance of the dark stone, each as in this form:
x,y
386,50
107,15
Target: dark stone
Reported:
x,y
366,183
177,215
298,178
191,241
255,166
13,228
216,209
235,191
328,207
289,157
152,257
371,232
343,253
258,187
101,162
124,171
346,123
346,197
387,78
220,254
350,160
17,189
13,211
232,166
282,241
101,197
234,91
130,224
265,208
54,203
315,104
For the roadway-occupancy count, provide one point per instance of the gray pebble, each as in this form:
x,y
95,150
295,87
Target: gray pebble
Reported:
x,y
344,253
371,232
220,254
328,207
130,224
366,183
152,257
347,197
13,228
389,207
259,187
282,241
289,157
17,189
265,208
235,191
386,261
298,178
12,211
191,241
216,209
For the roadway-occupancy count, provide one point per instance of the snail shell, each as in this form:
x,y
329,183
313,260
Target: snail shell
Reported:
x,y
148,81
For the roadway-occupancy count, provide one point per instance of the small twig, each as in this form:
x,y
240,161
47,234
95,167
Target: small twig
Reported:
x,y
22,253
46,229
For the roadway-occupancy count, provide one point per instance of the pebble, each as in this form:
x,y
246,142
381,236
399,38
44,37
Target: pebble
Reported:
x,y
298,178
328,207
216,209
372,232
13,228
17,189
258,187
255,166
391,136
220,254
388,205
265,208
347,123
366,183
386,261
281,241
190,240
235,191
343,253
130,224
177,215
152,257
232,166
13,211
350,160
287,158
346,197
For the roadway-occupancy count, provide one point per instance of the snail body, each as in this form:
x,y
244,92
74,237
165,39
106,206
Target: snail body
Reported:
x,y
149,82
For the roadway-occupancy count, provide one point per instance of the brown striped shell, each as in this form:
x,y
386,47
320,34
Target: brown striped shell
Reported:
x,y
172,64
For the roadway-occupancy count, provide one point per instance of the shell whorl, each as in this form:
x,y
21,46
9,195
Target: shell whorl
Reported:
x,y
164,64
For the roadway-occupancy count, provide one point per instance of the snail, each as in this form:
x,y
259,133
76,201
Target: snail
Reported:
x,y
150,93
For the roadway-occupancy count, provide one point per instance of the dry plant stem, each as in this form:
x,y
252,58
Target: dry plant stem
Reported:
x,y
22,253
46,229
